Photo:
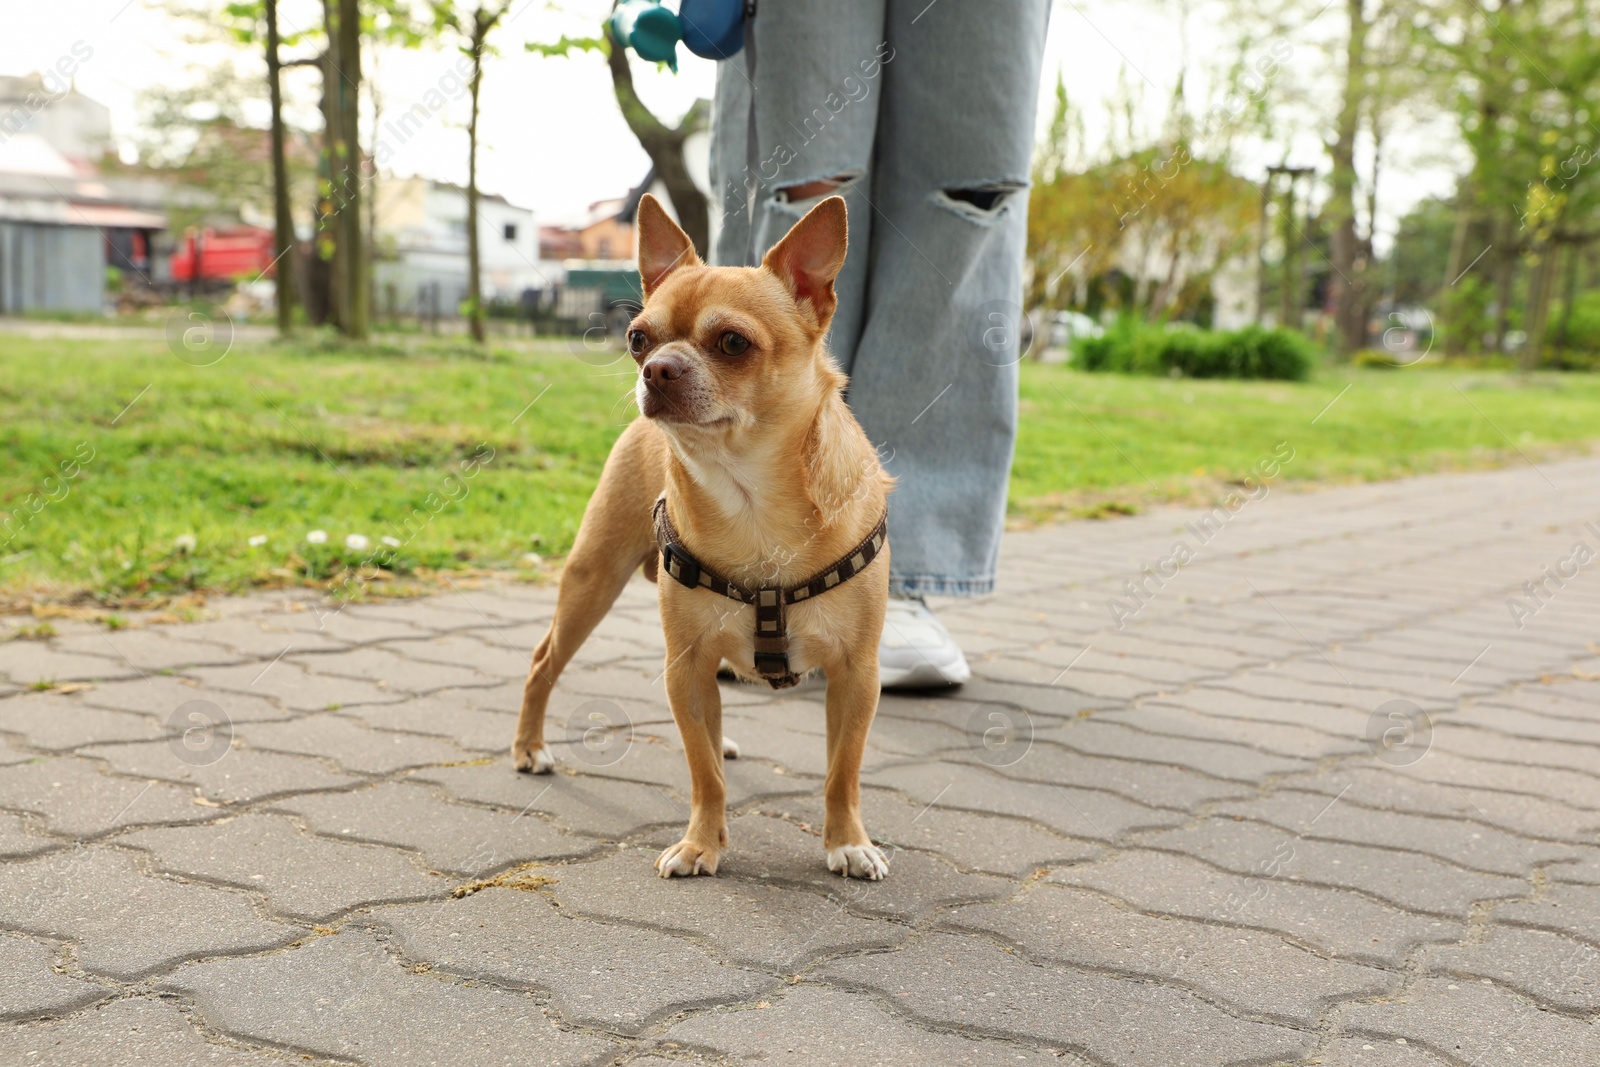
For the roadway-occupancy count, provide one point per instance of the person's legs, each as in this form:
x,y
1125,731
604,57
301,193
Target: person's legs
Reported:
x,y
819,74
934,379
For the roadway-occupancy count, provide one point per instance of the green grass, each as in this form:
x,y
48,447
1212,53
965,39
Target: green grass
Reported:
x,y
1093,443
277,441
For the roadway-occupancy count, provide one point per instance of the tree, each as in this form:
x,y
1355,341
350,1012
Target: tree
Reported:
x,y
474,29
1524,78
1349,264
661,142
343,169
1159,216
282,220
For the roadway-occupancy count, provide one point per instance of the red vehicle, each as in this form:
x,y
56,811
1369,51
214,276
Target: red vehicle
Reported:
x,y
223,255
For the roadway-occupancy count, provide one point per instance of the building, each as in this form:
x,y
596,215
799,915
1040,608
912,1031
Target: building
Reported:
x,y
60,227
600,234
74,125
422,248
61,223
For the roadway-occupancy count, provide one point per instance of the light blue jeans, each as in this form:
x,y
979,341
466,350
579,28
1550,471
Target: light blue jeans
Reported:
x,y
926,113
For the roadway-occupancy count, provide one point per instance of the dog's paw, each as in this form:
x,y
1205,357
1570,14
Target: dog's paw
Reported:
x,y
730,748
859,861
533,761
687,858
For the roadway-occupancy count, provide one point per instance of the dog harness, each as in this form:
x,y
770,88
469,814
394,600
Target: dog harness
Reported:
x,y
772,637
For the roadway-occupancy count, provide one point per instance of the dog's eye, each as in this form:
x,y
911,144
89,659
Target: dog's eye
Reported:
x,y
637,341
734,344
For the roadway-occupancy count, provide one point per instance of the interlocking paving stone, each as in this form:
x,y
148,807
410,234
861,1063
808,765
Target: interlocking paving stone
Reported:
x,y
1516,722
610,809
1571,909
1475,1023
73,797
439,715
767,848
134,1033
780,927
966,982
970,841
1377,1052
1583,867
1513,814
15,840
296,687
31,987
1274,739
1331,921
162,696
50,722
124,923
1549,967
27,662
814,1024
1462,841
302,876
387,668
1219,758
344,996
1157,784
236,775
150,649
1255,972
1187,849
1419,883
486,656
614,978
350,744
1063,808
451,837
264,636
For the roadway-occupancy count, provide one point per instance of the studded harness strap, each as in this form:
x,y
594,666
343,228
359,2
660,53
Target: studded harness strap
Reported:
x,y
772,637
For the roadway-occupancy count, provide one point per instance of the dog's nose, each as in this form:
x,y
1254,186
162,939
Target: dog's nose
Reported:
x,y
663,368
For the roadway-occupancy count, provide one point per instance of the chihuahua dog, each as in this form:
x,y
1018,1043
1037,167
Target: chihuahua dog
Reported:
x,y
748,482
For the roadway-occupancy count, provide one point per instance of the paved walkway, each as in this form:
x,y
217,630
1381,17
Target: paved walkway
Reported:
x,y
1319,799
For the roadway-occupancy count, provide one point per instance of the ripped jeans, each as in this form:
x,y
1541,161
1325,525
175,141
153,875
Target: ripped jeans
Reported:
x,y
921,115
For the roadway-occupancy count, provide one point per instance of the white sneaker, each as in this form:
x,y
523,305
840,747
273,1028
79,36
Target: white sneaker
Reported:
x,y
916,651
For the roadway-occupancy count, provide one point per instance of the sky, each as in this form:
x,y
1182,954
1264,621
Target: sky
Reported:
x,y
552,136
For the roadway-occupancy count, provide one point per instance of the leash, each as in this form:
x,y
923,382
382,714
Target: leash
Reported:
x,y
752,142
772,635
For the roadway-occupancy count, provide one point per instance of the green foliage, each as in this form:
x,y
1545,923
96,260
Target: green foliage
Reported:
x,y
1086,441
1132,347
279,440
1583,326
565,47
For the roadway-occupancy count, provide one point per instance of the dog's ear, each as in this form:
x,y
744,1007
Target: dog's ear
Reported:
x,y
663,246
810,255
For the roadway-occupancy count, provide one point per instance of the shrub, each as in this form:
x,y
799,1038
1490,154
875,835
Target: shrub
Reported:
x,y
1132,347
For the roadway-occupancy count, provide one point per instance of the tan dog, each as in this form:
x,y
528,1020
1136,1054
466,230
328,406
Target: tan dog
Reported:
x,y
769,482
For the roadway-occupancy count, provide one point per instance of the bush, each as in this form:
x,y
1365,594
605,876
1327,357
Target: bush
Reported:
x,y
1132,347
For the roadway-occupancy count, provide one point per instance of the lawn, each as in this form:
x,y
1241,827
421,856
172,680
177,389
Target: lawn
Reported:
x,y
131,477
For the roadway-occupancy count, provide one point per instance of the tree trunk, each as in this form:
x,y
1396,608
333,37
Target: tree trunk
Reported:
x,y
353,245
327,239
1451,304
370,259
1289,296
1505,269
1538,312
664,146
283,222
1569,294
474,267
1348,282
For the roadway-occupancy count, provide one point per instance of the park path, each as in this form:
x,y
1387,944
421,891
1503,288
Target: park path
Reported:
x,y
1323,794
